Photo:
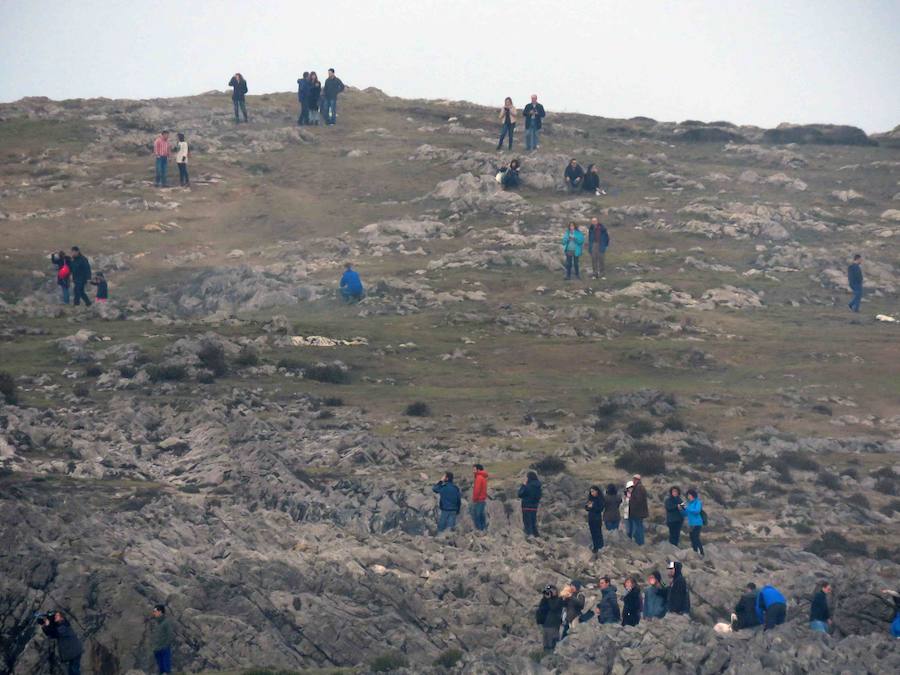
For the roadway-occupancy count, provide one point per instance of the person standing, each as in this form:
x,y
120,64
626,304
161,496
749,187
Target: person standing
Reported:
x,y
161,151
674,514
56,626
449,503
161,639
81,275
611,502
631,603
573,241
655,597
181,161
479,497
63,273
574,175
99,281
855,281
771,607
626,502
302,93
594,508
819,612
312,98
530,497
745,610
534,120
679,598
638,510
549,617
507,119
598,242
607,609
333,87
694,511
239,96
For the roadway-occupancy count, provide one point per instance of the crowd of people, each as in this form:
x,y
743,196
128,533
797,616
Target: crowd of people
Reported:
x,y
73,269
314,96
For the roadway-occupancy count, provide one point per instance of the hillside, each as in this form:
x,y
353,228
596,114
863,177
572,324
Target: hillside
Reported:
x,y
185,444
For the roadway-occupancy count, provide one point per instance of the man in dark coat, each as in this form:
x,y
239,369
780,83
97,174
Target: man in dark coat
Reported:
x,y
302,93
239,96
67,642
332,87
534,116
607,609
449,503
530,496
855,281
679,601
745,610
574,175
549,616
81,275
638,509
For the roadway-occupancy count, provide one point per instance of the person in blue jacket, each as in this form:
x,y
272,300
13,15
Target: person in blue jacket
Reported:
x,y
771,607
530,493
573,241
302,93
598,242
449,503
694,511
351,285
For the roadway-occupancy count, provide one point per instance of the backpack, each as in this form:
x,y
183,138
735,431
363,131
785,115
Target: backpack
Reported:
x,y
64,273
703,518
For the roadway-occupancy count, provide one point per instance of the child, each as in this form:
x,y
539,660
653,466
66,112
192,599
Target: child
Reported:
x,y
181,159
102,289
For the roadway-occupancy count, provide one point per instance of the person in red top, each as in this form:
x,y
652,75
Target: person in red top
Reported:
x,y
161,150
479,498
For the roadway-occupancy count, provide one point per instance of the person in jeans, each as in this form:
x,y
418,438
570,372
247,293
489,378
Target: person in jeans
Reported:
x,y
302,93
55,626
694,511
161,639
81,276
312,98
573,242
530,496
238,96
449,503
479,498
333,87
534,115
594,508
674,515
507,119
819,612
181,161
855,281
638,510
771,607
161,151
63,273
598,242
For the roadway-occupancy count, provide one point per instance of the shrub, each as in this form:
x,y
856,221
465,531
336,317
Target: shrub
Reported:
x,y
674,424
418,409
324,415
327,372
292,364
81,390
449,658
639,428
829,480
8,388
607,409
803,528
212,356
643,458
702,454
93,370
890,509
388,662
799,460
884,472
127,372
851,472
859,499
205,376
247,357
167,372
549,465
333,401
886,486
835,542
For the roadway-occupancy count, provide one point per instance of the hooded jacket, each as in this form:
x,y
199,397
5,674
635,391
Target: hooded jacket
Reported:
x,y
655,601
551,609
818,610
530,494
767,596
67,642
609,606
745,610
350,280
631,607
450,498
679,600
693,510
673,513
637,507
591,181
479,487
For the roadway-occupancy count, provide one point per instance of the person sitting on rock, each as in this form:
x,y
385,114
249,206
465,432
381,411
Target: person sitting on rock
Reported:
x,y
631,603
679,600
351,285
745,610
574,175
591,181
655,597
530,496
607,609
549,616
611,502
102,287
449,503
819,611
509,178
771,607
573,604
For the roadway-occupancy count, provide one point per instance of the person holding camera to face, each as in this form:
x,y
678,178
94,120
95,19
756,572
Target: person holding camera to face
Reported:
x,y
549,616
573,605
56,627
507,119
449,503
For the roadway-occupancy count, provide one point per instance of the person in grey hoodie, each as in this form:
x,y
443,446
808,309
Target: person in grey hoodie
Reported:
x,y
607,609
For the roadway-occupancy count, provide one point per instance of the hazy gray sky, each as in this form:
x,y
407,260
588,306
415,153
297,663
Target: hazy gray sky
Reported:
x,y
748,61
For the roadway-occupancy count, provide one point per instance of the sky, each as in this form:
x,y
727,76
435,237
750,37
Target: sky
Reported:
x,y
757,62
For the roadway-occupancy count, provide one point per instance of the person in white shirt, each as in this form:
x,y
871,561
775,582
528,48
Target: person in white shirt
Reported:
x,y
181,159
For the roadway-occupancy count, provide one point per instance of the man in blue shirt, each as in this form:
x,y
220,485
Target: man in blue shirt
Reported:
x,y
351,285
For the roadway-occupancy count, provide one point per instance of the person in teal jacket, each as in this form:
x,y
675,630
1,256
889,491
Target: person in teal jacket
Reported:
x,y
694,511
573,242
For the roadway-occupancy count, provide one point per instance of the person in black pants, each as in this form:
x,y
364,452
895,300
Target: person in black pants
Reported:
x,y
631,603
674,514
594,508
81,275
238,96
55,626
507,118
530,496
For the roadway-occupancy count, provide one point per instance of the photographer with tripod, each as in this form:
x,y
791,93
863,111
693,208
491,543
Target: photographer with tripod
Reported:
x,y
55,626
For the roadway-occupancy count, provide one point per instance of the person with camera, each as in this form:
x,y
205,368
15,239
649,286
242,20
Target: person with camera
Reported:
x,y
507,118
694,511
679,599
161,639
594,508
534,116
57,627
530,496
607,610
449,503
509,175
573,605
549,616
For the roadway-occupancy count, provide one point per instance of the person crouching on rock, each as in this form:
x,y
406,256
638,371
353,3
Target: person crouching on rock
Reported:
x,y
549,616
102,287
745,610
449,503
530,496
573,605
509,180
55,626
574,175
631,603
771,607
351,285
594,508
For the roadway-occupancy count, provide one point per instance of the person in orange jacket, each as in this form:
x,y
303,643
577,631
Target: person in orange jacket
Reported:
x,y
479,498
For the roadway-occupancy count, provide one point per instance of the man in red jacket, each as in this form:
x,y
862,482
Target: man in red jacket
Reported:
x,y
479,498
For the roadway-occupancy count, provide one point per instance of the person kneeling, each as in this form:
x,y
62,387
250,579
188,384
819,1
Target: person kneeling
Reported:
x,y
351,285
509,176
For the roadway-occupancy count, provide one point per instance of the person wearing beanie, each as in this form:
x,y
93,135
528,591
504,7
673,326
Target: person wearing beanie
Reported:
x,y
530,496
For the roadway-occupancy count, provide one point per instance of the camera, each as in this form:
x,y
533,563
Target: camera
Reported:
x,y
40,617
549,591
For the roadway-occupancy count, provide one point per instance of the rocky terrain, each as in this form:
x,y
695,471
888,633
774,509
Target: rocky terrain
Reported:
x,y
225,437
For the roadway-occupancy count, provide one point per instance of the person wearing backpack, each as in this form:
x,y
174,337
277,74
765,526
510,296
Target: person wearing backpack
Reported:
x,y
63,273
695,517
239,96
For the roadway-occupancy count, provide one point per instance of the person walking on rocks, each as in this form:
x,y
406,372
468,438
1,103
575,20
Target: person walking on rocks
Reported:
x,y
302,93
594,508
63,273
638,510
530,497
507,119
574,175
549,617
81,275
607,609
573,241
181,161
534,119
855,281
679,599
611,503
655,597
694,511
161,639
573,605
598,242
771,607
239,96
819,612
449,503
161,151
745,610
479,498
56,626
631,603
333,87
674,514
312,98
